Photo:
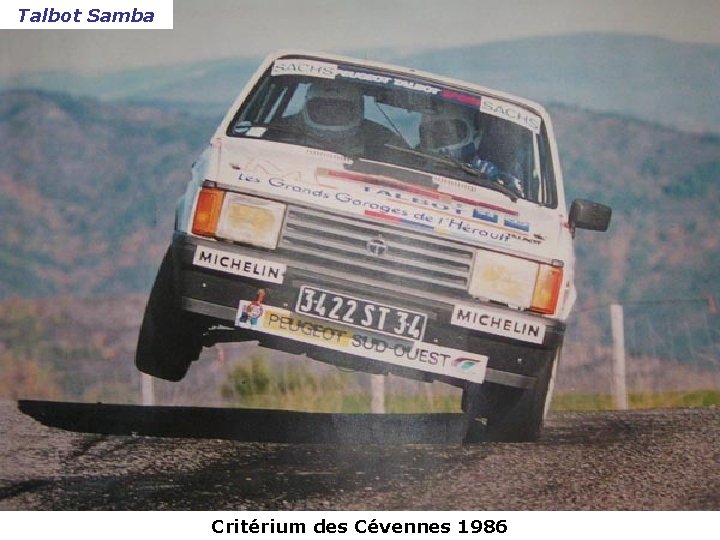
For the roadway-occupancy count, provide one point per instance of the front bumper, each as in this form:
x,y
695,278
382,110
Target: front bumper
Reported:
x,y
218,294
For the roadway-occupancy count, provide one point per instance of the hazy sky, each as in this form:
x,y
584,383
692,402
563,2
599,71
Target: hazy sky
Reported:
x,y
205,29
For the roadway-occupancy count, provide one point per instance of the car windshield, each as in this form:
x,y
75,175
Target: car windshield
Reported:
x,y
382,116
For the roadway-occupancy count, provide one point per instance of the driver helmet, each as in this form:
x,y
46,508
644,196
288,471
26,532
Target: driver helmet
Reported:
x,y
332,109
452,131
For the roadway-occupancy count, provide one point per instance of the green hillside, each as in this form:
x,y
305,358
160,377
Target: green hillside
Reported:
x,y
664,188
87,192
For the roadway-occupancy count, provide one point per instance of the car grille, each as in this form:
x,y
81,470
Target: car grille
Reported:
x,y
318,240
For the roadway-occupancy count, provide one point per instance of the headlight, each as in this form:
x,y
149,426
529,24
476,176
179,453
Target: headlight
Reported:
x,y
515,281
251,220
504,279
239,218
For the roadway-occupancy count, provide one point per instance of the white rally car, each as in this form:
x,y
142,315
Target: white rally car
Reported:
x,y
381,219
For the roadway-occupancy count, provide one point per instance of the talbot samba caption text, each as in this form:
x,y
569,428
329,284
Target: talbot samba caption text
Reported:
x,y
79,14
95,15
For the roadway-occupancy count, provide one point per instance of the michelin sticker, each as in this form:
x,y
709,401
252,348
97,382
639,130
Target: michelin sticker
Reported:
x,y
239,265
498,323
411,354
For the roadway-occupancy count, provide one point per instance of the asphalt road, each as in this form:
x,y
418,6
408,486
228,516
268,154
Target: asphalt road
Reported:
x,y
659,460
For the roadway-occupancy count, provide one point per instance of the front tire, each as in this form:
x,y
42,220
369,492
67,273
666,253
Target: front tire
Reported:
x,y
170,339
496,413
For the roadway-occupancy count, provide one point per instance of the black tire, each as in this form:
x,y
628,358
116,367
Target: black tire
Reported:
x,y
496,413
170,339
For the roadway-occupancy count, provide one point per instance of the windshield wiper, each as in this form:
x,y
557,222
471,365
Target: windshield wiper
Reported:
x,y
392,124
453,163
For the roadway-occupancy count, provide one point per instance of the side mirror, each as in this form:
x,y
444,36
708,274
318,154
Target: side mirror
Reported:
x,y
589,215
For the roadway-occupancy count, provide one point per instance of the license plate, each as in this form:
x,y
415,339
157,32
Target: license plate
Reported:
x,y
361,313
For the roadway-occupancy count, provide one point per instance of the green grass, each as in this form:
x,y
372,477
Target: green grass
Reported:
x,y
661,400
259,383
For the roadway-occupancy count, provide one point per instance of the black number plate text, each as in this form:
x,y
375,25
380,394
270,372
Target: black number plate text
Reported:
x,y
361,313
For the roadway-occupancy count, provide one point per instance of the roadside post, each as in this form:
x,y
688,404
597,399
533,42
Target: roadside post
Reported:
x,y
619,388
377,394
148,389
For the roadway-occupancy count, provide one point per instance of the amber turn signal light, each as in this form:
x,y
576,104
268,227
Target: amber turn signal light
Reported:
x,y
207,211
547,289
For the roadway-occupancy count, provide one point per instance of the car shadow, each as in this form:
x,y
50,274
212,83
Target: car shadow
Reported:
x,y
248,425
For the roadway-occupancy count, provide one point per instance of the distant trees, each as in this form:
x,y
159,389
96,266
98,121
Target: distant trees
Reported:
x,y
22,373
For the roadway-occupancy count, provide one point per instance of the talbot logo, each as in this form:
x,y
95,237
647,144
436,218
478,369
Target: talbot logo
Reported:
x,y
377,247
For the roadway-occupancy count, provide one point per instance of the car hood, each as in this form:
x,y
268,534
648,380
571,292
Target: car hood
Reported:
x,y
435,205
